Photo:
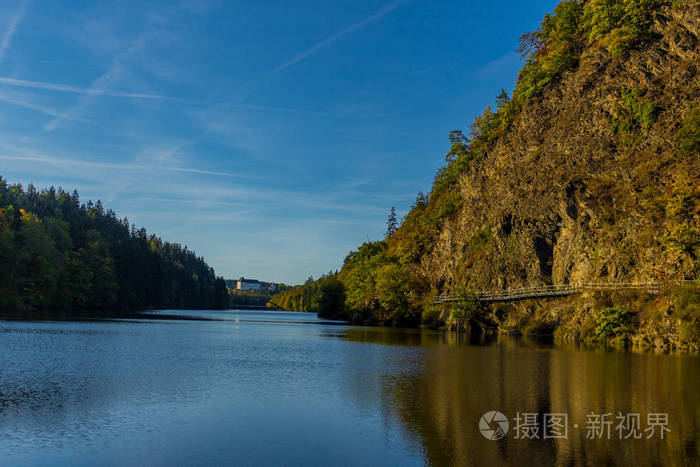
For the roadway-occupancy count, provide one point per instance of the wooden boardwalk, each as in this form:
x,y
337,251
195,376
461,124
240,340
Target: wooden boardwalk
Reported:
x,y
545,291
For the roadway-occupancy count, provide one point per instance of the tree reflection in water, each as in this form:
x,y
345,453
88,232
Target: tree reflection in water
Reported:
x,y
452,383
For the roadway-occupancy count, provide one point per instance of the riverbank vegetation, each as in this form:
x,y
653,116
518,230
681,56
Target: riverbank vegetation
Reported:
x,y
247,298
59,253
325,296
587,173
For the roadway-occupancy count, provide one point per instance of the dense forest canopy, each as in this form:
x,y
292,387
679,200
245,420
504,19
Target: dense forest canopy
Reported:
x,y
56,253
325,296
396,280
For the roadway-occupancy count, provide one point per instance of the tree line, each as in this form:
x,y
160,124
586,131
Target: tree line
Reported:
x,y
324,296
59,253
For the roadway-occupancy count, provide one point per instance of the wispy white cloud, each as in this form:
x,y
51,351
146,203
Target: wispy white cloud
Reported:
x,y
100,85
93,90
356,183
38,107
49,62
190,200
201,218
213,196
332,201
114,165
7,37
266,108
77,89
338,35
161,152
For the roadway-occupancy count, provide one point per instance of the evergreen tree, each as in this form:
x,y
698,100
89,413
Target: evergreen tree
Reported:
x,y
392,223
58,253
502,98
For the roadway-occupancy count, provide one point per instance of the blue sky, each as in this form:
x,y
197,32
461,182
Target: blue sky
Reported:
x,y
271,137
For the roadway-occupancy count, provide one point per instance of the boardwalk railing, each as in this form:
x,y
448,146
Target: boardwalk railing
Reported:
x,y
544,291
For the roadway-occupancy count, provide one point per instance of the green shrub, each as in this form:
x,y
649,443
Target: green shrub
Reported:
x,y
445,198
560,33
485,130
359,274
393,288
634,113
556,46
613,321
617,24
446,205
467,308
552,49
600,17
531,80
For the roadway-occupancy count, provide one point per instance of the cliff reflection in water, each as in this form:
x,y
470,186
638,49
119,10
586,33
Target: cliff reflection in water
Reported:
x,y
442,399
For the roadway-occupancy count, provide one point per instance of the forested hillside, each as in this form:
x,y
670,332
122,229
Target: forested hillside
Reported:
x,y
325,296
589,172
56,253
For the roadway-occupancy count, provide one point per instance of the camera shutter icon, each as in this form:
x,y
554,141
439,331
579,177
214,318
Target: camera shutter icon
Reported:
x,y
493,425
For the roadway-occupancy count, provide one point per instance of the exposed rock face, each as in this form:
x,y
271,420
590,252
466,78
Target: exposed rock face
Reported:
x,y
565,197
586,175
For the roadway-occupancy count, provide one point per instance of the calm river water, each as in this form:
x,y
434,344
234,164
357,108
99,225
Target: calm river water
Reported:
x,y
276,388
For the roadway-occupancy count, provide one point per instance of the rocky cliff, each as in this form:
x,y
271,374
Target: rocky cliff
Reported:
x,y
597,179
567,195
589,172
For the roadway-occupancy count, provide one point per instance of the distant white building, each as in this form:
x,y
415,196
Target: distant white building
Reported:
x,y
247,284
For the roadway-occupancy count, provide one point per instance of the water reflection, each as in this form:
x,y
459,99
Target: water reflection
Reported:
x,y
269,388
456,383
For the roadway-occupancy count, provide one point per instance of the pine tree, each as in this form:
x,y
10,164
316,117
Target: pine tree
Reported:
x,y
502,98
391,223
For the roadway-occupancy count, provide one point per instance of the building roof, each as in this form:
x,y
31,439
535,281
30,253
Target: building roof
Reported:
x,y
251,281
